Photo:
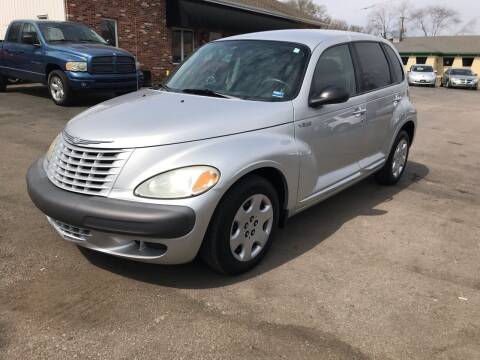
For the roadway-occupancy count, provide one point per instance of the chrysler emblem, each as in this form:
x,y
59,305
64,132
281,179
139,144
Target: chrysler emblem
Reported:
x,y
76,140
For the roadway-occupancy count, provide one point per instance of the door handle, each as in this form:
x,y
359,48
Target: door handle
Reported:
x,y
359,111
396,100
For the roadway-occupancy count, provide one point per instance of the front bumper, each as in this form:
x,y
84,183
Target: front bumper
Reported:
x,y
85,81
464,85
140,231
429,82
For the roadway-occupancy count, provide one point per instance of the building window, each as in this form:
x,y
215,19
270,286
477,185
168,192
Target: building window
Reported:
x,y
467,61
448,61
405,60
182,45
109,31
421,60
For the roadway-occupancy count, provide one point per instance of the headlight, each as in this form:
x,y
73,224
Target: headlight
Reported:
x,y
138,65
179,183
76,66
475,81
51,148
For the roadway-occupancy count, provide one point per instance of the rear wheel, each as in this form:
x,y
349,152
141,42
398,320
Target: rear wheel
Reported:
x,y
58,88
393,169
243,227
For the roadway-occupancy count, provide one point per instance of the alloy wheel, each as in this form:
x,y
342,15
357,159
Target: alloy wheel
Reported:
x,y
399,158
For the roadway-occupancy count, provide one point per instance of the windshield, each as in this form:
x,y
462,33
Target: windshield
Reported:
x,y
247,69
422,69
69,32
465,72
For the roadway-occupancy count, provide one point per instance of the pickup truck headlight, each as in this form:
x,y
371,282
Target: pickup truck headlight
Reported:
x,y
179,183
51,148
76,66
138,65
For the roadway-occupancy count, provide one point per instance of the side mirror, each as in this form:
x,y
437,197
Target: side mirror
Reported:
x,y
329,95
435,71
30,39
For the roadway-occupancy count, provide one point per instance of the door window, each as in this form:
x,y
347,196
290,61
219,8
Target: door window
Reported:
x,y
334,68
374,70
29,29
397,68
14,32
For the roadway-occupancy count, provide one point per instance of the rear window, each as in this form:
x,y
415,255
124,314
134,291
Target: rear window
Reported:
x,y
14,32
397,68
374,69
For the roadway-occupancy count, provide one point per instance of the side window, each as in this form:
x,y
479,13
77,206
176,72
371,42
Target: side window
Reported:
x,y
29,31
14,32
374,70
397,68
334,68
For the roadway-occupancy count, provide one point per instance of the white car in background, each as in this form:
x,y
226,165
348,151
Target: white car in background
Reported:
x,y
422,75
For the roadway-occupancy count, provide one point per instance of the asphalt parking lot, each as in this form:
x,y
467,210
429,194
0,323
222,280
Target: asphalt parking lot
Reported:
x,y
374,272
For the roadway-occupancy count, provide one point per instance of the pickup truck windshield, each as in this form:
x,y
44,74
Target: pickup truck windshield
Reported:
x,y
69,32
247,69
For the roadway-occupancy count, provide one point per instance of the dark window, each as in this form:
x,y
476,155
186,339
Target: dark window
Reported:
x,y
397,68
374,70
29,30
14,32
182,45
448,61
109,31
405,60
334,68
421,60
467,61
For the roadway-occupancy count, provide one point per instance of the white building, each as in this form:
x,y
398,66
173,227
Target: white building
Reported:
x,y
29,9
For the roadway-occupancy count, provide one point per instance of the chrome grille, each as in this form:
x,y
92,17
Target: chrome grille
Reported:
x,y
85,170
70,231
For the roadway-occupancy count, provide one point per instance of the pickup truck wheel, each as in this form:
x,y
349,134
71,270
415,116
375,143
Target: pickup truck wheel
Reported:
x,y
243,227
393,169
58,88
3,83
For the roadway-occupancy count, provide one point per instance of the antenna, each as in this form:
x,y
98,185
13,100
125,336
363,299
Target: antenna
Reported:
x,y
136,48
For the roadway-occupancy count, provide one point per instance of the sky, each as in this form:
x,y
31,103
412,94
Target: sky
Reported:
x,y
350,10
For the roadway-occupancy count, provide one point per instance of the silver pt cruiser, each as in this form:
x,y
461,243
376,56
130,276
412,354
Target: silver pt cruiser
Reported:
x,y
249,131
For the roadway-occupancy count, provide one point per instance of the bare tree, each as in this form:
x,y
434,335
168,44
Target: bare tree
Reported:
x,y
380,20
310,8
433,19
468,28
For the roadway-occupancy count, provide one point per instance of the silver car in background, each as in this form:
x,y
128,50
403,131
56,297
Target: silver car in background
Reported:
x,y
248,132
459,78
422,75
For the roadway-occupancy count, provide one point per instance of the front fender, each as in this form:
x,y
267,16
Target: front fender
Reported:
x,y
235,156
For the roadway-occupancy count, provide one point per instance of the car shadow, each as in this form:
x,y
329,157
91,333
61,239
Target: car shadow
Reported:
x,y
302,233
82,100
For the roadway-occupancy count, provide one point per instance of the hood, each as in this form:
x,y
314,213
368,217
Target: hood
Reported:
x,y
152,117
87,50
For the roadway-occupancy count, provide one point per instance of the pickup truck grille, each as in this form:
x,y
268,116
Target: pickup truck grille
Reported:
x,y
85,170
113,65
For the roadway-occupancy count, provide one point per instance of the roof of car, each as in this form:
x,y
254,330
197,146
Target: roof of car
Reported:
x,y
308,37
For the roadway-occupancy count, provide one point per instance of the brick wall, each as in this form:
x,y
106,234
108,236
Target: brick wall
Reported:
x,y
141,24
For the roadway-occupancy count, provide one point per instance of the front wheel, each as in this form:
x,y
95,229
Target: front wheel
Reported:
x,y
58,87
243,227
393,169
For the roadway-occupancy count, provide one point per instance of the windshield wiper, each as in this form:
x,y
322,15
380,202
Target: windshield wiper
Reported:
x,y
161,86
208,92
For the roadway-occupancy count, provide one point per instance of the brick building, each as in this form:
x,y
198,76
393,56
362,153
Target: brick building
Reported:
x,y
164,32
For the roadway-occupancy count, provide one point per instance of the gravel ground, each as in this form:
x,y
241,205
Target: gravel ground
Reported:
x,y
374,272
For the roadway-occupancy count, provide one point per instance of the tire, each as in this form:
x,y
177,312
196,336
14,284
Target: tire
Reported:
x,y
239,216
390,173
3,83
58,88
